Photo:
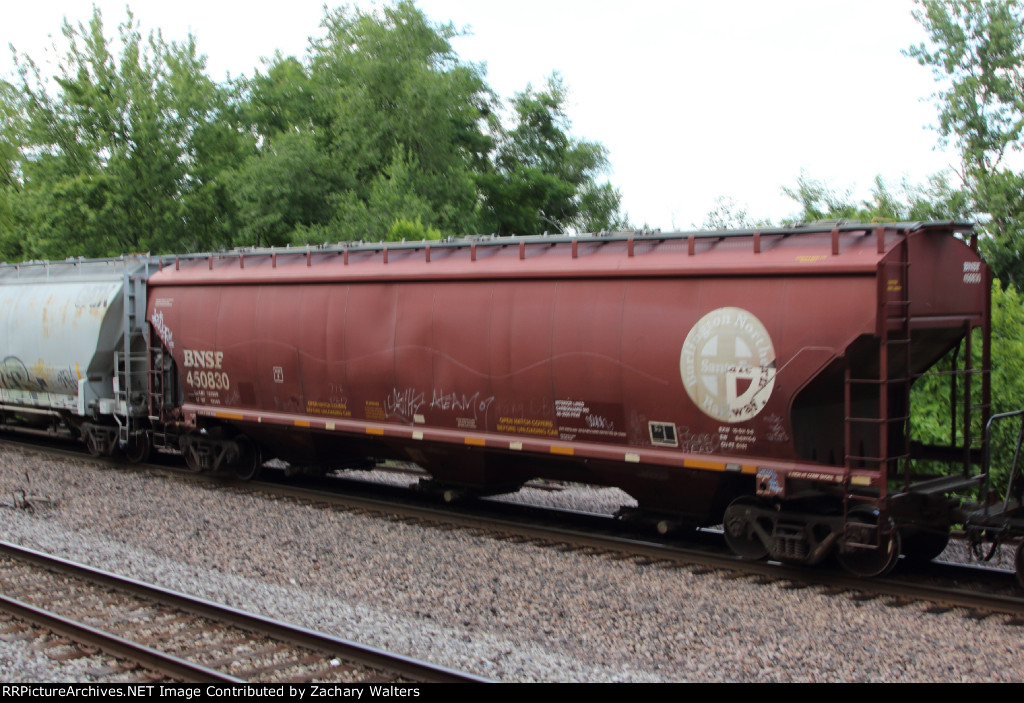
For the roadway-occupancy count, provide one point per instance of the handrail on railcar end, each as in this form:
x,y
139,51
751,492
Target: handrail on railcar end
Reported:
x,y
986,464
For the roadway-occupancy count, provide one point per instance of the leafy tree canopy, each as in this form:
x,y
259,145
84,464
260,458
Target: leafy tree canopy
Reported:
x,y
544,179
975,50
906,202
123,152
379,131
819,201
729,215
380,122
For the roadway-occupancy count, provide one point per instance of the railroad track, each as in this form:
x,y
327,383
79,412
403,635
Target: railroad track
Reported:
x,y
981,591
185,638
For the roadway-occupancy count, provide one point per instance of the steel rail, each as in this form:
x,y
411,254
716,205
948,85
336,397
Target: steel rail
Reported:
x,y
401,665
893,585
119,647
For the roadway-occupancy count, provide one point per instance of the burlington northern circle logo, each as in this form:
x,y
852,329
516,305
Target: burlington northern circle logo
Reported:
x,y
728,365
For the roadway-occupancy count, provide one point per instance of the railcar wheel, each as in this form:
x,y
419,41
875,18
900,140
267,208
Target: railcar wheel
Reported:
x,y
191,459
91,445
249,462
870,562
138,448
741,523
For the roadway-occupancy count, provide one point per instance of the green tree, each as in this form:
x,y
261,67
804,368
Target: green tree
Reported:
x,y
397,91
931,396
1007,375
906,202
411,230
975,49
728,215
289,185
379,131
381,122
543,178
124,153
12,130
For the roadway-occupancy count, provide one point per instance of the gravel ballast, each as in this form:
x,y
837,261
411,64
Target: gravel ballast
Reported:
x,y
507,611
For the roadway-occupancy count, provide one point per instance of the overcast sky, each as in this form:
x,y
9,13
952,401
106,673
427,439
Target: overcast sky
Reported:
x,y
694,100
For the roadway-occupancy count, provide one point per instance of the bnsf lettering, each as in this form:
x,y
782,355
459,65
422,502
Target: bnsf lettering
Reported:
x,y
196,359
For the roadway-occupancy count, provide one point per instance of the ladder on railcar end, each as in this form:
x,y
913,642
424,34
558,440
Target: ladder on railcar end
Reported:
x,y
130,364
162,390
129,369
884,441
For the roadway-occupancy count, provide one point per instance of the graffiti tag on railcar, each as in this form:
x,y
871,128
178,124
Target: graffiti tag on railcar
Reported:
x,y
727,364
162,330
14,375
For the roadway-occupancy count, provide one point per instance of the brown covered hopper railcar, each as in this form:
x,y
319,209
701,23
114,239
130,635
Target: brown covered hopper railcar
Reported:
x,y
760,378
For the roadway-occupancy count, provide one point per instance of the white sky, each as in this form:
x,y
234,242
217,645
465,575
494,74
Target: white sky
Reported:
x,y
694,100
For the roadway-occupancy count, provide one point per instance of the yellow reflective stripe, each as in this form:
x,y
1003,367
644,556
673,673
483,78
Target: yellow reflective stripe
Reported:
x,y
701,464
229,416
719,466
